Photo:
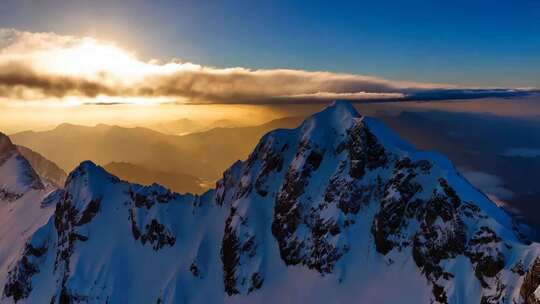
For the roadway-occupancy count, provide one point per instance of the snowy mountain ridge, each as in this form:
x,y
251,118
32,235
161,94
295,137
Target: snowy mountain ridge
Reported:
x,y
16,174
21,211
48,171
339,209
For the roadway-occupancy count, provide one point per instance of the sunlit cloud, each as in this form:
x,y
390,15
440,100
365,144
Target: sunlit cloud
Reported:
x,y
45,66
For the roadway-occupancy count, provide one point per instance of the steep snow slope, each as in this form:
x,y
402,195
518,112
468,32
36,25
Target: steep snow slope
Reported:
x,y
21,210
337,210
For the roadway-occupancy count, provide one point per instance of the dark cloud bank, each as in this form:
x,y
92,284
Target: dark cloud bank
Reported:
x,y
230,86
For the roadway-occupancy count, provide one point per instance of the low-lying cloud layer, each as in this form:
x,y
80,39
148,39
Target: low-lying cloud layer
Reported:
x,y
522,152
36,66
493,187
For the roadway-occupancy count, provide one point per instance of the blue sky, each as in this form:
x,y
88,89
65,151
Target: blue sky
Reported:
x,y
466,42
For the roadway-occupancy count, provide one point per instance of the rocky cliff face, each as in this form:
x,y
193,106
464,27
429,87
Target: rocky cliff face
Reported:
x,y
339,209
530,283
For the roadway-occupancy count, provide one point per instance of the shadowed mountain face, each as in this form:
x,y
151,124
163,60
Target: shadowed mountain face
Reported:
x,y
293,222
177,182
204,155
46,169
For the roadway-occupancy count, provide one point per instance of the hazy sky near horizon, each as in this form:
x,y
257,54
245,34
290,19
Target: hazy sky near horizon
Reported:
x,y
13,120
479,42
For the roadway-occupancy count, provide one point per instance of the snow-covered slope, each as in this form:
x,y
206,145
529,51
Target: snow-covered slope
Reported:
x,y
337,210
21,208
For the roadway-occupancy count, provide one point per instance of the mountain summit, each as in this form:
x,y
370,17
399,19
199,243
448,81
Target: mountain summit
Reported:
x,y
16,174
339,209
6,145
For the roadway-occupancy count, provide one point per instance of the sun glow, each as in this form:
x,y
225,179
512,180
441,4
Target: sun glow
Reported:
x,y
91,58
91,71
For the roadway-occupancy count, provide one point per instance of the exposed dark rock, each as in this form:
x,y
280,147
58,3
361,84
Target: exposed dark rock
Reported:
x,y
19,279
441,234
485,256
287,208
154,233
134,228
519,268
256,282
531,283
147,196
398,205
9,196
497,297
194,269
230,257
157,235
226,186
91,210
439,294
364,150
271,161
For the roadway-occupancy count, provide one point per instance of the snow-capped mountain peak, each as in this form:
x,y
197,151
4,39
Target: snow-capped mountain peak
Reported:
x,y
339,209
5,144
16,175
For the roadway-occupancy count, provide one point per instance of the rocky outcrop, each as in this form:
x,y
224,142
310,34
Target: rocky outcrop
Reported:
x,y
146,229
19,284
530,284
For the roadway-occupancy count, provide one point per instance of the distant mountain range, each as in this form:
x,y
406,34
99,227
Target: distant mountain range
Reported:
x,y
185,126
204,155
175,181
339,209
